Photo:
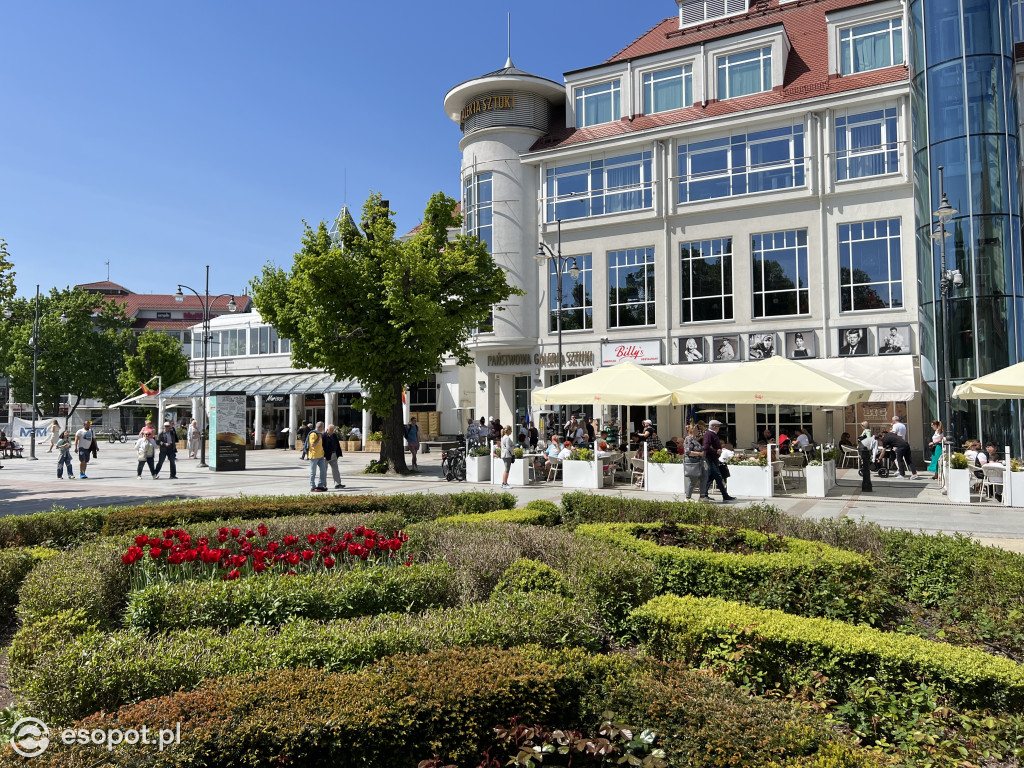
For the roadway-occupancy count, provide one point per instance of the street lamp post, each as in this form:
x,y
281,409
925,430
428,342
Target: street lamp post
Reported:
x,y
947,278
545,254
34,343
206,303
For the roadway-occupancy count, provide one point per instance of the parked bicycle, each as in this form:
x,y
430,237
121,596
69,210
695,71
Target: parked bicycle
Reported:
x,y
453,464
116,436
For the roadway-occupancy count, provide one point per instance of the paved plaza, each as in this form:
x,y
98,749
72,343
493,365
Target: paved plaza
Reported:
x,y
32,486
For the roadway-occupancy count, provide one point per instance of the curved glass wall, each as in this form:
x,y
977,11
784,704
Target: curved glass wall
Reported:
x,y
964,112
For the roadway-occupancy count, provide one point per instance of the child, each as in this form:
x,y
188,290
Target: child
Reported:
x,y
64,456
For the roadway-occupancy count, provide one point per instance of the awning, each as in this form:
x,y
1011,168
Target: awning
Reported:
x,y
280,384
623,384
890,378
1005,384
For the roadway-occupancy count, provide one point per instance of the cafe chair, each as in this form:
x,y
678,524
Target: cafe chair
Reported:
x,y
992,482
556,469
777,467
636,470
850,455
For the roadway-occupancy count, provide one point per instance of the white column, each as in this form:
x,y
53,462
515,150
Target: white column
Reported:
x,y
330,408
406,412
293,419
160,412
367,422
10,409
257,438
196,404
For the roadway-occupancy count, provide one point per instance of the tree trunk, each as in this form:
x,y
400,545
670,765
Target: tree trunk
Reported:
x,y
392,448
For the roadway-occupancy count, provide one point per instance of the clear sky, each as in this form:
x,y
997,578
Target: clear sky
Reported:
x,y
164,136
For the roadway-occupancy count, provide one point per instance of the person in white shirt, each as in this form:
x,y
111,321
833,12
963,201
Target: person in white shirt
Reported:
x,y
566,452
899,427
551,452
802,440
727,453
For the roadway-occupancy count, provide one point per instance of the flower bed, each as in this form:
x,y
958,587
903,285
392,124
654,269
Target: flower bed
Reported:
x,y
399,710
807,578
789,649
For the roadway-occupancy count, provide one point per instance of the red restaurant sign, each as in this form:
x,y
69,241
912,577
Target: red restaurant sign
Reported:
x,y
639,352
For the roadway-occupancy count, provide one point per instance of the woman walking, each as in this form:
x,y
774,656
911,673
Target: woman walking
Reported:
x,y
193,439
54,435
936,446
64,456
694,468
412,435
506,454
145,447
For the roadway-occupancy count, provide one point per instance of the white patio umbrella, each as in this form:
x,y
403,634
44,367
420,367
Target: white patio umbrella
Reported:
x,y
623,384
1007,384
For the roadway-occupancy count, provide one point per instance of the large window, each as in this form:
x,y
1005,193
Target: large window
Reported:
x,y
780,273
870,266
791,418
230,343
667,89
866,144
577,303
706,280
263,341
597,104
631,294
741,164
607,185
423,397
871,46
476,201
740,74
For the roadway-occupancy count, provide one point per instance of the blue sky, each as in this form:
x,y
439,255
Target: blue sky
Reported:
x,y
166,136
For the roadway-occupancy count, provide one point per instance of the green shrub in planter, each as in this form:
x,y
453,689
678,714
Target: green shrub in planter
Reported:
x,y
402,709
808,578
272,600
958,461
478,450
789,650
67,670
526,575
664,457
91,578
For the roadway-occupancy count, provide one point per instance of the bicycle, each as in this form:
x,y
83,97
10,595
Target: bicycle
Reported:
x,y
453,464
117,435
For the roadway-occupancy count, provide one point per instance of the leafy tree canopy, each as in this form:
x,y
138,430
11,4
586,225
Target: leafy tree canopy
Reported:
x,y
7,288
80,358
370,307
152,354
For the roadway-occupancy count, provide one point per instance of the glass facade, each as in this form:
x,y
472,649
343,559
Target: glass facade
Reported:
x,y
964,111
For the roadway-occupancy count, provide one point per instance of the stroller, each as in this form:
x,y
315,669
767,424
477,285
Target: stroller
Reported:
x,y
885,465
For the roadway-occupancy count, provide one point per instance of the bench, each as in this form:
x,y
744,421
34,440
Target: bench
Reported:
x,y
442,445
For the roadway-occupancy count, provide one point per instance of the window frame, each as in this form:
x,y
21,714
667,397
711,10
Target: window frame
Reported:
x,y
649,79
585,263
727,283
851,285
580,97
692,20
760,298
721,83
473,205
650,286
861,23
888,149
560,206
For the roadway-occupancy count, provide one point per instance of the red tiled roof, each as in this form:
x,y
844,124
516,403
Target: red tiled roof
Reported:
x,y
102,287
807,74
137,302
152,324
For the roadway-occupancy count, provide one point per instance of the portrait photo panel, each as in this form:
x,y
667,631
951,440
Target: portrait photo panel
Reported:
x,y
852,342
761,346
800,345
893,339
725,349
691,349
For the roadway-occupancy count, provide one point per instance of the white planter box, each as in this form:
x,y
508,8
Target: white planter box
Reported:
x,y
581,474
1016,495
960,486
666,478
518,473
820,479
478,469
749,481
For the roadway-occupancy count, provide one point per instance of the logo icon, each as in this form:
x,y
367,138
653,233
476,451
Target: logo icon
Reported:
x,y
30,737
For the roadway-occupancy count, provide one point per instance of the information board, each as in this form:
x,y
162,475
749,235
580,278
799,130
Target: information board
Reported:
x,y
227,428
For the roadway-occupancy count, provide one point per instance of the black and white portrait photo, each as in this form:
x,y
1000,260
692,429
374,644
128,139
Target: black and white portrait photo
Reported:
x,y
691,349
893,339
853,342
800,345
725,348
760,346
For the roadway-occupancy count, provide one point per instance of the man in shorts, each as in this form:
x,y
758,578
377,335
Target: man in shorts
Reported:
x,y
84,439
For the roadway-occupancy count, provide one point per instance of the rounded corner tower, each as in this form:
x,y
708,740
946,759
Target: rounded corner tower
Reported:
x,y
501,115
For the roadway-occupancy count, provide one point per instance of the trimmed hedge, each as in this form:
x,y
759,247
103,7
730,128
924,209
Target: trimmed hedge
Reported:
x,y
91,578
784,649
14,567
525,516
404,709
59,527
413,508
526,575
68,668
809,578
272,600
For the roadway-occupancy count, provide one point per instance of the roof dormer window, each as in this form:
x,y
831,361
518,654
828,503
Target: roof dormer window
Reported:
x,y
597,104
698,11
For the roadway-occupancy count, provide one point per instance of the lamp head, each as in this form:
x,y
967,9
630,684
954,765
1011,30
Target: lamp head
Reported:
x,y
64,318
179,296
574,269
540,255
7,313
232,307
957,278
945,211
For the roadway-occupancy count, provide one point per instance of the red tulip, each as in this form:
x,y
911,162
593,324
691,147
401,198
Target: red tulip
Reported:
x,y
331,530
307,554
262,529
328,562
259,566
141,540
155,552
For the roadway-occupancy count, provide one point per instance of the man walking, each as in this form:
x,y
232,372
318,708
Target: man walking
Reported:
x,y
893,442
304,430
712,450
313,447
332,452
84,439
866,445
167,441
899,427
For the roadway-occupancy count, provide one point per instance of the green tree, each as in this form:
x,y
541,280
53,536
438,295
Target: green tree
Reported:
x,y
7,288
152,354
79,358
385,312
